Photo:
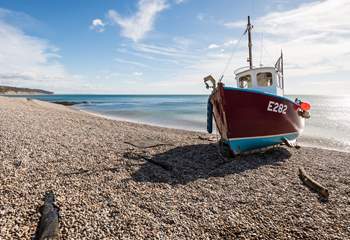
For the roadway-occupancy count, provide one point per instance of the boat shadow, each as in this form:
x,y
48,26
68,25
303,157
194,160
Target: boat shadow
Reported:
x,y
185,164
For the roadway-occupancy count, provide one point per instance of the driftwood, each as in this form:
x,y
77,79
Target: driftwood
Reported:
x,y
48,227
146,143
314,185
210,138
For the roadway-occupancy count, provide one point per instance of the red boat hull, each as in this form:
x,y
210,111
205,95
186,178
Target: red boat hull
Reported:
x,y
243,113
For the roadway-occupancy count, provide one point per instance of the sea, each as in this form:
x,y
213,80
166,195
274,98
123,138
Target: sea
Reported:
x,y
328,127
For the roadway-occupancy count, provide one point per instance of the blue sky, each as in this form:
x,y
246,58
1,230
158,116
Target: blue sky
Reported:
x,y
168,46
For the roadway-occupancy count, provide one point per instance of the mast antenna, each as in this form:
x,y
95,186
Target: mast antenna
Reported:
x,y
249,28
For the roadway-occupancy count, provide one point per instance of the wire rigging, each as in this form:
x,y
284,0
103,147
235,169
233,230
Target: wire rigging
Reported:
x,y
268,53
252,13
231,57
261,48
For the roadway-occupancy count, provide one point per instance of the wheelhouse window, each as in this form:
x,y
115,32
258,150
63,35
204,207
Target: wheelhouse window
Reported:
x,y
264,79
245,81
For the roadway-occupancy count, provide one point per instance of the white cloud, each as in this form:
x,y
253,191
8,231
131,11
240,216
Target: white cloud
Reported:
x,y
28,61
182,42
236,24
315,37
137,26
317,53
169,52
329,16
129,62
230,42
224,45
98,25
213,46
180,1
200,16
138,74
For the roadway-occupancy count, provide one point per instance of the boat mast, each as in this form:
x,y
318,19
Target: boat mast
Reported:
x,y
249,27
282,69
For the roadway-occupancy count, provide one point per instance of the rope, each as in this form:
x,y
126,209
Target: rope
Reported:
x,y
232,54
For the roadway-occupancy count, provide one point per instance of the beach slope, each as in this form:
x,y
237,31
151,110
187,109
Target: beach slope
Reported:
x,y
116,180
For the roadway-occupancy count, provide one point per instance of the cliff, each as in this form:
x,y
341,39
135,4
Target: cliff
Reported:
x,y
6,90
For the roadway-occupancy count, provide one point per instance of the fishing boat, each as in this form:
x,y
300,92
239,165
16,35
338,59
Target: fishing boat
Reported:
x,y
255,114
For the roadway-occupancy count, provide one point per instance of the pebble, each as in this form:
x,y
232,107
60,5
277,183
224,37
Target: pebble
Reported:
x,y
105,189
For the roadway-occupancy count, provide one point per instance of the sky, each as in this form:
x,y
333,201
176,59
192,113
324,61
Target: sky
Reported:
x,y
168,46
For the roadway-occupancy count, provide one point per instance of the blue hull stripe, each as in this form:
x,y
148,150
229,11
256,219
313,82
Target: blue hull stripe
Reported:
x,y
239,145
259,92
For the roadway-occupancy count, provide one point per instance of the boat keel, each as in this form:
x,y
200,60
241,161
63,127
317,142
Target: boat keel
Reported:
x,y
240,145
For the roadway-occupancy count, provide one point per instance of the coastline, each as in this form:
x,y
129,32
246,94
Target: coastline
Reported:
x,y
303,141
188,113
116,179
129,120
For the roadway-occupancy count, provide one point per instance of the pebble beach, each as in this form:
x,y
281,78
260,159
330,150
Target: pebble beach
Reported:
x,y
122,180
